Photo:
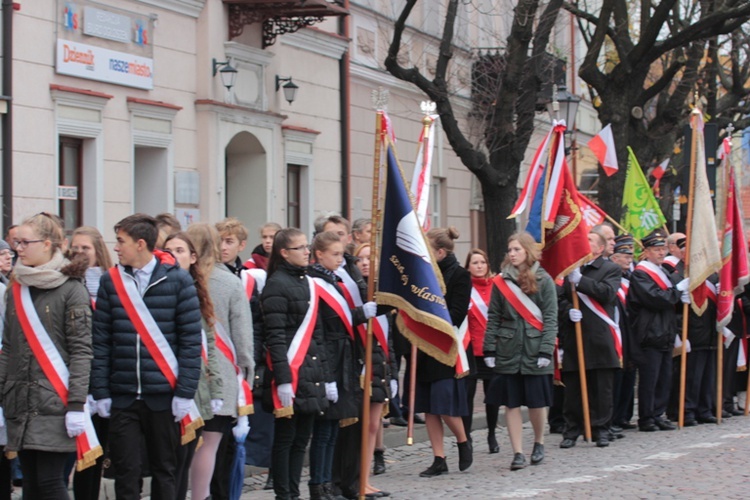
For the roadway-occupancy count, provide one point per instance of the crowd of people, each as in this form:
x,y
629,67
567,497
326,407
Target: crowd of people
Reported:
x,y
183,351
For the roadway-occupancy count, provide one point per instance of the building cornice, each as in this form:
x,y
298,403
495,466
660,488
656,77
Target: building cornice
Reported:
x,y
317,41
191,8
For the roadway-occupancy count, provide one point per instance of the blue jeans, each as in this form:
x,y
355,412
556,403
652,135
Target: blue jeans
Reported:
x,y
321,450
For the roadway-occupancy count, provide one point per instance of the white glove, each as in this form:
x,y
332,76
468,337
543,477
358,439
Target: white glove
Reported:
x,y
91,402
685,297
370,309
286,394
542,362
216,405
241,429
104,407
75,423
332,392
490,361
180,407
394,388
2,417
575,315
575,276
687,345
683,285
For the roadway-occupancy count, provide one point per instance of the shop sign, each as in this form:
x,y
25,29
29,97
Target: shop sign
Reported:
x,y
97,63
67,192
105,24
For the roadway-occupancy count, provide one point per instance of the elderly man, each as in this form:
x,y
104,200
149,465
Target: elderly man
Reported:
x,y
605,231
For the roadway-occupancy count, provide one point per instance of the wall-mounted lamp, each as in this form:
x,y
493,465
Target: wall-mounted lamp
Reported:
x,y
227,72
290,89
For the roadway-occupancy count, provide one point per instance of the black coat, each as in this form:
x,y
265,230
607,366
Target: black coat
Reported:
x,y
285,300
457,297
122,366
342,357
702,332
651,312
600,280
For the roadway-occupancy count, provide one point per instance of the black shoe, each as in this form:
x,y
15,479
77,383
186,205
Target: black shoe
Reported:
x,y
568,443
465,455
378,463
614,435
665,425
707,420
648,428
736,412
690,422
317,492
627,425
726,414
602,442
492,443
438,467
418,419
537,454
399,422
269,481
519,462
615,429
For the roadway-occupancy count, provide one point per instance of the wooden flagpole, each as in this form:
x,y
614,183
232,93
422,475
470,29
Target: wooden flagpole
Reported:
x,y
380,100
582,370
412,394
747,387
686,260
719,377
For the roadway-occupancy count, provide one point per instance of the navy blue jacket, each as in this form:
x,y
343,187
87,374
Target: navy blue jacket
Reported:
x,y
122,368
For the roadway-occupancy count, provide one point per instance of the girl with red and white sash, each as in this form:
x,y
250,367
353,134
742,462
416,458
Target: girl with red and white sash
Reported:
x,y
478,266
46,357
89,241
519,343
342,339
234,339
297,359
210,393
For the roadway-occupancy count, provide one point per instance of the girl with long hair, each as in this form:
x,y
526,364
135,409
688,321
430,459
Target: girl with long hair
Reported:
x,y
47,288
478,265
233,325
209,395
519,343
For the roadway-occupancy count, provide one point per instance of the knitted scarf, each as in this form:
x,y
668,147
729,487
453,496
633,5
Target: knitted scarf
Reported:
x,y
46,276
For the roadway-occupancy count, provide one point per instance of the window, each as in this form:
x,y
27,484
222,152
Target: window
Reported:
x,y
294,195
70,195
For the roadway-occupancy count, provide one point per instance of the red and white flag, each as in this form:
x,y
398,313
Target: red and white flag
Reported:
x,y
603,147
420,181
592,214
658,171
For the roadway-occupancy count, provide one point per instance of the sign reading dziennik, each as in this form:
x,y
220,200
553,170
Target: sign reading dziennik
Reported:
x,y
97,63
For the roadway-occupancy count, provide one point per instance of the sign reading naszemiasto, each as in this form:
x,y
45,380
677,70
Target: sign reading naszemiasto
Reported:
x,y
96,63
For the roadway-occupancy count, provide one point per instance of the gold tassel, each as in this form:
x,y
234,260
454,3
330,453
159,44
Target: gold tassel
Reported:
x,y
89,458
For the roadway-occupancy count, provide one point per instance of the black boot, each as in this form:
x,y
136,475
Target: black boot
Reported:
x,y
269,481
492,443
465,455
378,465
317,492
438,467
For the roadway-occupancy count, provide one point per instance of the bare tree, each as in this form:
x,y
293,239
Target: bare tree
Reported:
x,y
510,120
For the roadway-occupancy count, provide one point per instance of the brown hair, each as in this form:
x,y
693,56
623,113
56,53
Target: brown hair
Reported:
x,y
201,287
443,237
207,245
280,242
359,248
320,222
167,220
231,226
526,277
323,240
140,227
103,258
48,227
270,225
479,251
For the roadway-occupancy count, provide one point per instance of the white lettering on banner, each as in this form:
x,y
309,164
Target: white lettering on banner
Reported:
x,y
97,63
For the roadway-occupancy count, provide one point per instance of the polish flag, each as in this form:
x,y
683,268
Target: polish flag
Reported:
x,y
603,147
658,172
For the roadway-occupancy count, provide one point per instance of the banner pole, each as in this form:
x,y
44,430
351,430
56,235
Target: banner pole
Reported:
x,y
582,370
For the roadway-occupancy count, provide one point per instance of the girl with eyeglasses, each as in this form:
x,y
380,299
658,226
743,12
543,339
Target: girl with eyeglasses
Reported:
x,y
297,392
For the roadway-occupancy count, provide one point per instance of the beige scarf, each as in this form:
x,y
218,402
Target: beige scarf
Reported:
x,y
46,276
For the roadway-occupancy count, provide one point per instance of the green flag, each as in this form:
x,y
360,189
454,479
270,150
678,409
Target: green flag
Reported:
x,y
641,213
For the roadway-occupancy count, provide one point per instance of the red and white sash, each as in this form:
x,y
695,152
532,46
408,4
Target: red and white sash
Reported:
x,y
463,337
596,308
331,296
204,346
524,306
250,264
711,293
622,292
671,260
478,308
381,331
354,299
88,448
656,272
297,351
244,392
252,279
155,341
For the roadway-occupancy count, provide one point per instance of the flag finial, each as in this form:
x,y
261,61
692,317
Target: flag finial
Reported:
x,y
379,99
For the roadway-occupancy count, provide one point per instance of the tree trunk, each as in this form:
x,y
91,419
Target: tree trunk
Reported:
x,y
498,201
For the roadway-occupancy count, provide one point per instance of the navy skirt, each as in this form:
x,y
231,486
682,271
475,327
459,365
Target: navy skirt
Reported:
x,y
513,391
442,397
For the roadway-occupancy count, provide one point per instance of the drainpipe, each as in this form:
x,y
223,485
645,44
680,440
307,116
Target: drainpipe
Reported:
x,y
344,105
7,120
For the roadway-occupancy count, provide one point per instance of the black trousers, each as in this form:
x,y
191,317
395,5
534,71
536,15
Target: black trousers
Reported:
x,y
43,475
162,439
730,384
86,483
655,380
346,459
599,385
700,383
624,397
185,454
291,436
5,480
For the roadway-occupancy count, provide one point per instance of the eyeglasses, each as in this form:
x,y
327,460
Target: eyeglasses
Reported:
x,y
7,253
300,248
24,243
